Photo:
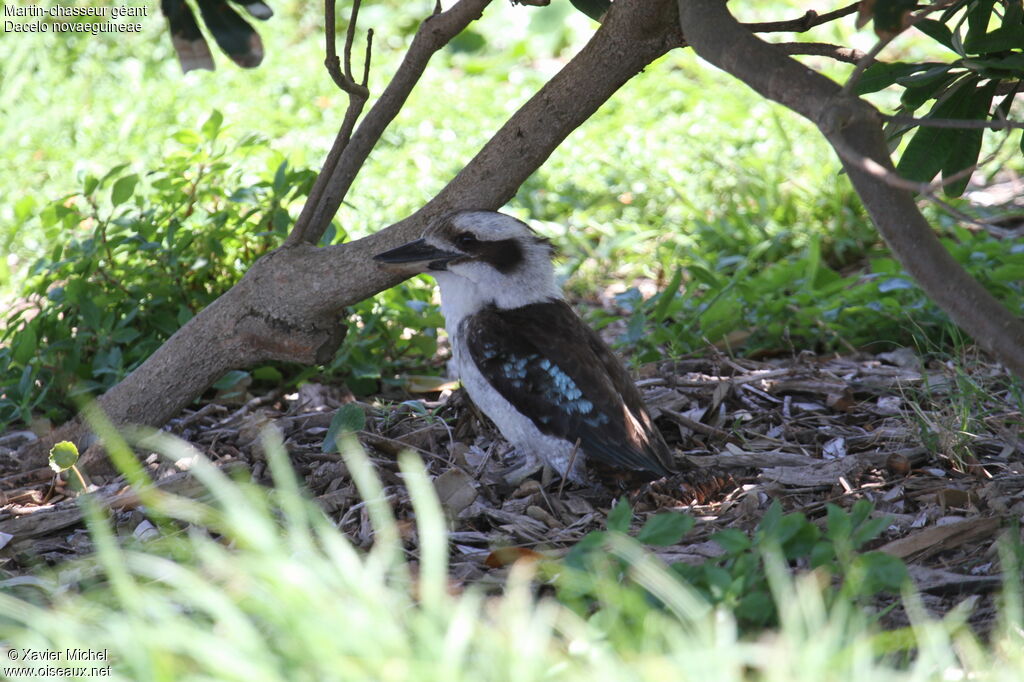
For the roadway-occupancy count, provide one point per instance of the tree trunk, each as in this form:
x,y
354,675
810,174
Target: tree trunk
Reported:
x,y
853,127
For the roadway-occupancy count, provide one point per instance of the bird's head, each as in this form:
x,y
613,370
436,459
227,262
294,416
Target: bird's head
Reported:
x,y
496,256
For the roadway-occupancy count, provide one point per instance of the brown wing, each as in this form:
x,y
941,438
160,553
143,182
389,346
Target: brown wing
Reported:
x,y
557,371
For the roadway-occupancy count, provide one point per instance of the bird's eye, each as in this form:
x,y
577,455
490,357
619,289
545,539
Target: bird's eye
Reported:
x,y
466,240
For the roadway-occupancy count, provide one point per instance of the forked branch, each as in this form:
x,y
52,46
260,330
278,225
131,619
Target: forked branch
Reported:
x,y
358,93
348,154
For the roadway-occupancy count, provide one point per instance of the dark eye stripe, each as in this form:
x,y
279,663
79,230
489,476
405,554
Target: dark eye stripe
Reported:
x,y
505,255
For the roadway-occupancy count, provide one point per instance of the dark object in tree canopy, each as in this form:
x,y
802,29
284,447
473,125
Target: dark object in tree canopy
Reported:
x,y
235,36
594,9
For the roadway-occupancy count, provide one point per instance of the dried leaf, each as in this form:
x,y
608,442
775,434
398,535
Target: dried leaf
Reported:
x,y
507,556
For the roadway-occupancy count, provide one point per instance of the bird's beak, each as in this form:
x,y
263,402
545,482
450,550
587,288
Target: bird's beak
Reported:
x,y
416,257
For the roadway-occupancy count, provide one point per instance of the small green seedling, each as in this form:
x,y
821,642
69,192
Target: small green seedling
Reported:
x,y
64,457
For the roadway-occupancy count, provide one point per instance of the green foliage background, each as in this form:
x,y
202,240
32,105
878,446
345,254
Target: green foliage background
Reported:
x,y
135,195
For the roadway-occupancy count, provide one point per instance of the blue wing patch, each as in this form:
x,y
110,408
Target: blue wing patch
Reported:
x,y
540,377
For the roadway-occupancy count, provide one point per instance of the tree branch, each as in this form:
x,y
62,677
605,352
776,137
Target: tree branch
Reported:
x,y
358,93
850,122
809,20
842,54
965,124
335,180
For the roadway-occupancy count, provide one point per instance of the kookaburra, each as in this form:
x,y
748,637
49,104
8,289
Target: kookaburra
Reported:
x,y
547,380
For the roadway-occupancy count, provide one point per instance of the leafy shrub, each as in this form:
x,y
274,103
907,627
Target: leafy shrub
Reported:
x,y
738,578
801,302
137,255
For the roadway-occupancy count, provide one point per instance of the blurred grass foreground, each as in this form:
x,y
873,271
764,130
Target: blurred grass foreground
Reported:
x,y
270,590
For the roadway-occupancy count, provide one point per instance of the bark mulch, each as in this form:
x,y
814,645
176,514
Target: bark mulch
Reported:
x,y
938,449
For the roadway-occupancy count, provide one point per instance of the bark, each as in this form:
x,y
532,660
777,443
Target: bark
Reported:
x,y
290,305
854,129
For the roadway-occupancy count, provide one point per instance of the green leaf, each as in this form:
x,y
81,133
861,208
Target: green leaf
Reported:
x,y
925,86
881,75
733,541
838,522
667,295
978,16
123,189
803,538
822,553
1008,37
63,456
114,172
188,138
268,373
937,31
756,607
211,127
348,419
966,144
90,184
281,178
125,335
869,530
24,207
860,512
770,520
1008,272
26,344
665,529
582,550
873,572
468,41
620,516
930,147
231,379
718,578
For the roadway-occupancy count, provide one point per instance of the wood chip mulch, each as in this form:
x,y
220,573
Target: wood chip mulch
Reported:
x,y
938,448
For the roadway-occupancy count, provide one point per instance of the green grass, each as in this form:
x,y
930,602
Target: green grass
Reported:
x,y
259,585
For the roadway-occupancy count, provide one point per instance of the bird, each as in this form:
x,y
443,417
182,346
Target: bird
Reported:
x,y
550,384
233,34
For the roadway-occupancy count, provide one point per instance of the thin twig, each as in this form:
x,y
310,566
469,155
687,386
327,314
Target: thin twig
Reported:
x,y
568,468
366,60
956,213
809,20
344,79
358,94
350,36
965,124
842,54
893,179
330,49
864,62
889,177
